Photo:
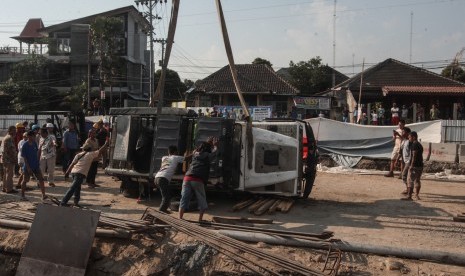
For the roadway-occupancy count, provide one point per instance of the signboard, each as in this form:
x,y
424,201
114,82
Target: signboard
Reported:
x,y
258,113
320,103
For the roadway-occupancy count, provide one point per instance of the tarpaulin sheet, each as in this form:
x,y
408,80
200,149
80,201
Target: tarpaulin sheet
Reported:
x,y
352,140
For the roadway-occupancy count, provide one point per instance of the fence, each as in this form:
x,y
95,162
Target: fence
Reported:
x,y
453,131
11,120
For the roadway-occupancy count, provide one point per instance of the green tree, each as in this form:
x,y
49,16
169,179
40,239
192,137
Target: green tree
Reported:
x,y
188,83
262,61
29,86
454,71
310,76
174,88
107,34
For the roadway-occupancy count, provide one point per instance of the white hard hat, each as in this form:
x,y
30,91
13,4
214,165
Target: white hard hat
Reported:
x,y
49,125
105,121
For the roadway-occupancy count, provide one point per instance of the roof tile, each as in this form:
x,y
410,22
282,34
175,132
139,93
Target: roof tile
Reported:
x,y
253,79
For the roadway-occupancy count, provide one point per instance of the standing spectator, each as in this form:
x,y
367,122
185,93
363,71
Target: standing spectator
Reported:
x,y
163,177
345,115
242,115
79,169
405,155
416,167
397,138
102,136
420,113
197,177
364,119
434,112
404,112
232,114
200,113
70,145
225,113
214,112
47,153
94,146
30,153
21,160
381,115
20,130
97,108
355,113
394,114
374,118
460,112
207,112
9,159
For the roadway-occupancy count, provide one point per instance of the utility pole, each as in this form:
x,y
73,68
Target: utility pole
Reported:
x,y
89,62
150,4
411,35
162,61
334,45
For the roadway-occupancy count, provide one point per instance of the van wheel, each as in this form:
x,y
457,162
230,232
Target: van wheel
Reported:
x,y
308,182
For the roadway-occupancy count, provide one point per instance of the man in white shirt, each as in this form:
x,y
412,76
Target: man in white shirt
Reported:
x,y
163,177
47,153
79,169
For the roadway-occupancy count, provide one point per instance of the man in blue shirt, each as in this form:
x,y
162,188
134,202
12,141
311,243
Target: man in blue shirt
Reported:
x,y
70,145
30,154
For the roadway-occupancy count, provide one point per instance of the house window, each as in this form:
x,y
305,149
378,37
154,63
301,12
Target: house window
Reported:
x,y
64,45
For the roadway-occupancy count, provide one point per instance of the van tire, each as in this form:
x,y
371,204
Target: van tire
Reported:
x,y
308,181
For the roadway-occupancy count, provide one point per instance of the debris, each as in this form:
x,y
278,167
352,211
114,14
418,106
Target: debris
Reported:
x,y
393,265
190,258
59,242
257,260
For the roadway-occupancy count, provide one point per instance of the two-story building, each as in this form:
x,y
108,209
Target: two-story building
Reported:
x,y
68,44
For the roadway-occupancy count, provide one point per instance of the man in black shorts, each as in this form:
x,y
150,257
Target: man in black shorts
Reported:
x,y
415,168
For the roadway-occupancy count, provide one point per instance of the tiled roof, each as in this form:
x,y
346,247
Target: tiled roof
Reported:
x,y
284,72
421,90
392,72
253,79
31,29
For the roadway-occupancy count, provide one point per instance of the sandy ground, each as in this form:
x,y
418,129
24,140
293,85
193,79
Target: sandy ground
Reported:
x,y
357,208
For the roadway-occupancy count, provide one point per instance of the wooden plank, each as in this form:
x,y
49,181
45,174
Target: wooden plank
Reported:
x,y
256,205
288,207
241,205
273,207
265,207
282,205
233,220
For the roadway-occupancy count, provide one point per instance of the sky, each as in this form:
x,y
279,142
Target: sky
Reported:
x,y
281,31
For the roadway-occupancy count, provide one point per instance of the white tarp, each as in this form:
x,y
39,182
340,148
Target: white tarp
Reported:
x,y
330,130
346,143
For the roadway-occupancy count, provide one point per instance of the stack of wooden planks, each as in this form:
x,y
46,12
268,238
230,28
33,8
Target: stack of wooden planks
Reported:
x,y
261,206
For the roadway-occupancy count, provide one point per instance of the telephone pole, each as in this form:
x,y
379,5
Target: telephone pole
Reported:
x,y
162,61
149,15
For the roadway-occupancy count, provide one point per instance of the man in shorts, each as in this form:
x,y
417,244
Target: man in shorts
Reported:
x,y
397,138
30,154
197,177
416,167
